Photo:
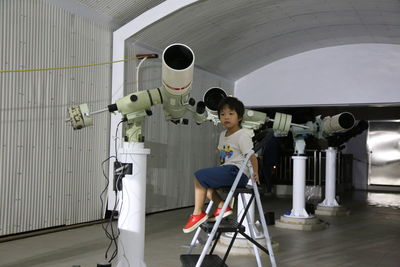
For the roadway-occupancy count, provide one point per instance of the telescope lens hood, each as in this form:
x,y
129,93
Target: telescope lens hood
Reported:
x,y
346,120
213,97
178,57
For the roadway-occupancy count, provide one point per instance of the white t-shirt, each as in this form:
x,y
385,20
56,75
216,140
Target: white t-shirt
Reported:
x,y
233,148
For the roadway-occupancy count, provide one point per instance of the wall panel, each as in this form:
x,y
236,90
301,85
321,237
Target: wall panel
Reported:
x,y
50,175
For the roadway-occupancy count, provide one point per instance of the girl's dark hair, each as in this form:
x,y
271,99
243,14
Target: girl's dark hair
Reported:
x,y
232,103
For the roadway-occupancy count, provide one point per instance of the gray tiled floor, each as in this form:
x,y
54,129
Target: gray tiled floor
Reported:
x,y
370,236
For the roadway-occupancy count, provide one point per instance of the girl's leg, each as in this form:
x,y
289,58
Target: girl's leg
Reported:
x,y
213,195
199,197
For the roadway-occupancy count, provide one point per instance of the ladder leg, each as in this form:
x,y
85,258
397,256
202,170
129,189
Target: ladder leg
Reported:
x,y
215,242
196,235
229,247
246,209
251,228
216,225
263,222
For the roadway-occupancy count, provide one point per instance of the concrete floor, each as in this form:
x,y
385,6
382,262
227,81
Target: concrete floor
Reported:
x,y
370,236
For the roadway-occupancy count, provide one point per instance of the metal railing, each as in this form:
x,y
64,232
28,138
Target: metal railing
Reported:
x,y
315,168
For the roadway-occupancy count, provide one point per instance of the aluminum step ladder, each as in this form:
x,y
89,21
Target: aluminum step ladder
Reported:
x,y
216,229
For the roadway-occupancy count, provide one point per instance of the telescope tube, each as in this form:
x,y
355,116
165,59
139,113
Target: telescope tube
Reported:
x,y
177,78
340,122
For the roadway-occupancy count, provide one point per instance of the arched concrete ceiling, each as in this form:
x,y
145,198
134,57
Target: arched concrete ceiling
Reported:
x,y
233,38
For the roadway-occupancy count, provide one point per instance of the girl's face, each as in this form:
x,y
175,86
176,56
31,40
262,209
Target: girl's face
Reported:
x,y
229,118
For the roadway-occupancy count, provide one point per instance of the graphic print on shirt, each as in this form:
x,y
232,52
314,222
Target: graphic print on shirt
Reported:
x,y
225,152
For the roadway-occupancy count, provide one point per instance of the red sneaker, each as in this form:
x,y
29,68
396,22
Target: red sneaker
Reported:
x,y
217,212
194,222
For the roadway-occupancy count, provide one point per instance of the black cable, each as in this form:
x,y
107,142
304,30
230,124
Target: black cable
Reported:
x,y
111,236
108,181
115,140
115,237
101,196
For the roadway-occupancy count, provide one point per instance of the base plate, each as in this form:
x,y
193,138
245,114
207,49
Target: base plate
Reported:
x,y
301,224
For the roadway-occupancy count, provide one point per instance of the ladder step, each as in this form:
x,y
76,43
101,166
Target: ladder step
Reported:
x,y
190,260
246,190
226,225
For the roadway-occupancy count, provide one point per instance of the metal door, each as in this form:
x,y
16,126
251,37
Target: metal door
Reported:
x,y
383,144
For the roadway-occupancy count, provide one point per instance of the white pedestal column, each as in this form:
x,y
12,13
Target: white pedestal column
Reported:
x,y
299,219
329,206
132,204
299,184
330,179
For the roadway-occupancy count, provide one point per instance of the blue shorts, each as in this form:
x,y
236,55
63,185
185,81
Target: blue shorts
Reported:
x,y
221,176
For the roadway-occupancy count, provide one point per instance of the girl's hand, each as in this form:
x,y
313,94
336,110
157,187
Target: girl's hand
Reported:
x,y
256,178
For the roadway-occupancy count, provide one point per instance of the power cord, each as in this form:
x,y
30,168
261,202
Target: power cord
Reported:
x,y
113,236
116,137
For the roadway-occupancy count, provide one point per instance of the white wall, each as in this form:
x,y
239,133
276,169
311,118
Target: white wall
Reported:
x,y
348,74
176,150
50,175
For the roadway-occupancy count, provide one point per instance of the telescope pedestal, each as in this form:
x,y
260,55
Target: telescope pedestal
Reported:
x,y
132,203
332,211
330,206
299,219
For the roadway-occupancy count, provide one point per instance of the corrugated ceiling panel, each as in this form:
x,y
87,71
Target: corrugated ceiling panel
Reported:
x,y
121,10
50,175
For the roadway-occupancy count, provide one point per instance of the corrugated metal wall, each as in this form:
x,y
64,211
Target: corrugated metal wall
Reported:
x,y
176,150
50,175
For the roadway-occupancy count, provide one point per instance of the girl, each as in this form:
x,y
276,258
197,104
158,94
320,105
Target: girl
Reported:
x,y
234,144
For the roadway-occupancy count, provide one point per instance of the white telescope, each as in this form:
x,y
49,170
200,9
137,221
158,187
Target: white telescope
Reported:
x,y
177,79
340,122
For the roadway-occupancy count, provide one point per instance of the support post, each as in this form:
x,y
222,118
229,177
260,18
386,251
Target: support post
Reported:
x,y
299,183
132,204
299,219
330,179
330,207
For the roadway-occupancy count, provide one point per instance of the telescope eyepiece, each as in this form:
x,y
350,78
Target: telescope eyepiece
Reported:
x,y
201,107
134,98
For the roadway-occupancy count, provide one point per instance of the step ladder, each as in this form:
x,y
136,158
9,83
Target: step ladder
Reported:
x,y
216,229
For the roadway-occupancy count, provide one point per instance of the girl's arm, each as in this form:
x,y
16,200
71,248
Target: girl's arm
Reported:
x,y
254,163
